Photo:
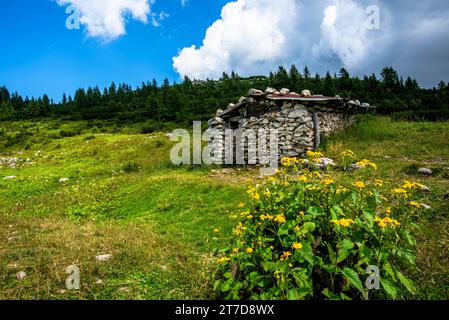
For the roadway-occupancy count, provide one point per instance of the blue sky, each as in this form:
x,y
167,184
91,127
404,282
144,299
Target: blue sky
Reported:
x,y
132,41
39,55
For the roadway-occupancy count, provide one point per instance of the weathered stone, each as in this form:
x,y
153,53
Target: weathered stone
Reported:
x,y
284,91
298,114
270,90
306,93
253,92
426,171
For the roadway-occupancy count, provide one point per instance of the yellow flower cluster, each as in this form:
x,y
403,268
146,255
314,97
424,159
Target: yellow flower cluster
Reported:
x,y
223,260
343,222
415,204
268,217
297,246
387,221
280,218
314,155
341,190
327,181
252,192
413,185
367,163
400,191
289,162
348,154
239,229
359,184
378,183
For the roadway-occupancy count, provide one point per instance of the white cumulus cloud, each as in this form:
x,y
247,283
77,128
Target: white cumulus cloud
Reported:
x,y
249,35
344,33
107,18
256,36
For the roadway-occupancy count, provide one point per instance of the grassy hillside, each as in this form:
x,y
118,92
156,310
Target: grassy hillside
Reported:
x,y
123,197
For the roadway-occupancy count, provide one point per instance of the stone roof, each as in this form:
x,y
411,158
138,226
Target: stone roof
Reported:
x,y
284,95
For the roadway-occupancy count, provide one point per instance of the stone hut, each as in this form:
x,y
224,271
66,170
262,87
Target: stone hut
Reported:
x,y
300,120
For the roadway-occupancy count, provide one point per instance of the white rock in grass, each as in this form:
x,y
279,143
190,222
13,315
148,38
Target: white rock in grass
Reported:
x,y
103,257
63,180
20,275
9,178
425,171
425,206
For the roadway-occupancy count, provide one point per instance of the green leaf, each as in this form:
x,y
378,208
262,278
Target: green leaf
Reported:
x,y
331,253
283,230
307,253
333,214
390,270
407,283
331,295
353,278
309,226
389,288
345,250
344,297
369,215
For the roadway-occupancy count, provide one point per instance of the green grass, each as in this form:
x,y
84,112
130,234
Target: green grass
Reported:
x,y
125,198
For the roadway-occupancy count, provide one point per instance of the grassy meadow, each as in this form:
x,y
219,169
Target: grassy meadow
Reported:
x,y
122,196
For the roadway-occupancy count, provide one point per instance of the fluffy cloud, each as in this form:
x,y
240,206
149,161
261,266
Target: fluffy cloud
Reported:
x,y
249,35
107,18
256,36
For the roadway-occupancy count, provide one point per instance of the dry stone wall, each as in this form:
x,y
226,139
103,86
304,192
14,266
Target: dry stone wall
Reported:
x,y
295,125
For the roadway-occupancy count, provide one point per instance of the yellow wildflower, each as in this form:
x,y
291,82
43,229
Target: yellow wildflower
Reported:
x,y
415,204
297,246
241,205
328,181
223,260
288,162
217,230
343,222
341,190
413,185
280,218
348,154
249,250
256,196
359,184
303,178
285,255
399,191
367,163
312,154
235,250
272,179
378,183
387,221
